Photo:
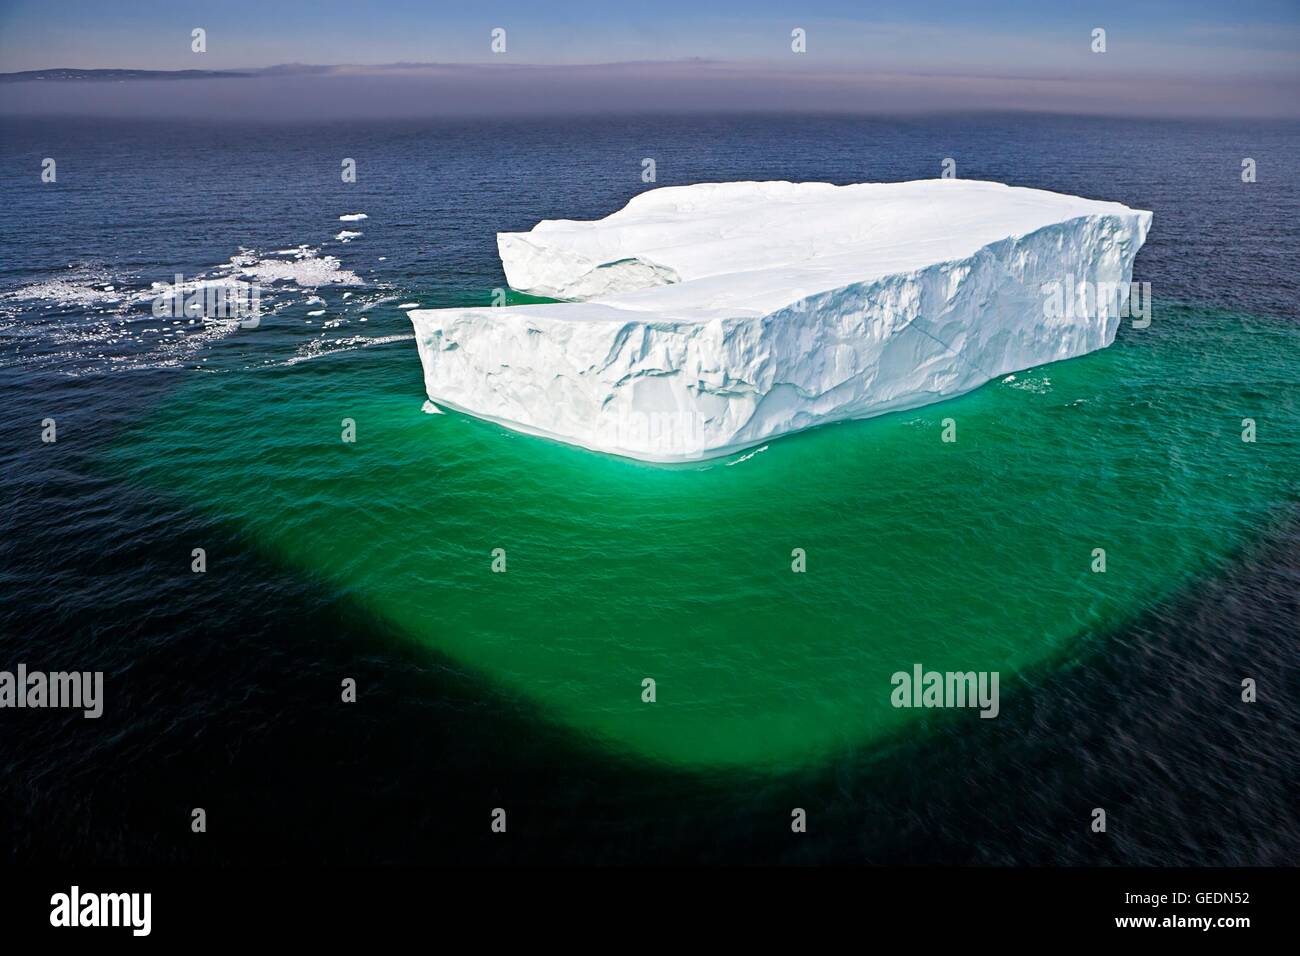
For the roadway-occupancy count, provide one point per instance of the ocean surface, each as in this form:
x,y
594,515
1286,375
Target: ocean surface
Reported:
x,y
372,560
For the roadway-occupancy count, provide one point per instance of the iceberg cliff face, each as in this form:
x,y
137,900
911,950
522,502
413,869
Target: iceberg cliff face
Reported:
x,y
721,315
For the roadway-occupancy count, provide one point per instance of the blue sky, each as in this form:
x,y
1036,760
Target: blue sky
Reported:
x,y
998,36
1237,58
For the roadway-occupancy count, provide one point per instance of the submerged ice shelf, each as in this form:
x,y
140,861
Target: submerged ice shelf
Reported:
x,y
706,319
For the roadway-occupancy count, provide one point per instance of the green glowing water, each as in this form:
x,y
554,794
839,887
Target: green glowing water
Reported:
x,y
973,555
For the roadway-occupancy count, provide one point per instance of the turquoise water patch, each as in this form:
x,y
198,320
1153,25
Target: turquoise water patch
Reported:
x,y
970,555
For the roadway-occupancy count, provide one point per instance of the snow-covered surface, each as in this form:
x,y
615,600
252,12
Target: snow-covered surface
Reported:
x,y
714,317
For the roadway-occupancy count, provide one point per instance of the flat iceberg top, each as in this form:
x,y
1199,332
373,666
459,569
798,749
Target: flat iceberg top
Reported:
x,y
716,250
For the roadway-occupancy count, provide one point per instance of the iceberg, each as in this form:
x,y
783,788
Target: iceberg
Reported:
x,y
702,320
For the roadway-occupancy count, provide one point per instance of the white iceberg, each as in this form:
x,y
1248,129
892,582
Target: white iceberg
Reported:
x,y
717,316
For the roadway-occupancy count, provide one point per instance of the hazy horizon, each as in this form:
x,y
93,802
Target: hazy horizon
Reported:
x,y
405,58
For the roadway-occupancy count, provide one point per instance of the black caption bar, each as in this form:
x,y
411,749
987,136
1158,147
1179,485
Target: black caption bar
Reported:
x,y
238,905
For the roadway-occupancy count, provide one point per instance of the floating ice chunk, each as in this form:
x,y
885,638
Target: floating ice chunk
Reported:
x,y
711,318
370,304
748,455
306,272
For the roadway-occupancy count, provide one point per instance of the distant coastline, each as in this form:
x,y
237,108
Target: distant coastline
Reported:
x,y
65,74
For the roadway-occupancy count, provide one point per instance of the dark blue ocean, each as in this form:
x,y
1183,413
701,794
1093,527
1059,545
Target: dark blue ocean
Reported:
x,y
226,697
